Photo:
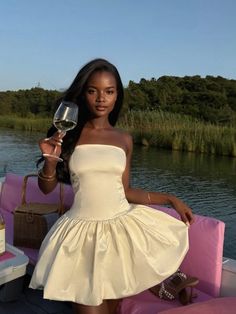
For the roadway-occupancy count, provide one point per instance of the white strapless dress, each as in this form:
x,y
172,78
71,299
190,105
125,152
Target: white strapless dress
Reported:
x,y
104,247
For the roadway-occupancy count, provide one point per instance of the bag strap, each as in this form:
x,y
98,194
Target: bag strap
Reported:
x,y
61,209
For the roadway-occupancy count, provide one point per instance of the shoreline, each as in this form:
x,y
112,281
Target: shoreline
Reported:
x,y
156,129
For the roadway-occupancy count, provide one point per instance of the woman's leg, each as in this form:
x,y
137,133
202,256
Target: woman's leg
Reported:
x,y
113,305
107,307
87,309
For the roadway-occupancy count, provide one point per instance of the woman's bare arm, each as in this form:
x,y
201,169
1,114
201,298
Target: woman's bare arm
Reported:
x,y
47,179
139,196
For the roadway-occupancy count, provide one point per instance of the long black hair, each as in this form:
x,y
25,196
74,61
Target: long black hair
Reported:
x,y
75,93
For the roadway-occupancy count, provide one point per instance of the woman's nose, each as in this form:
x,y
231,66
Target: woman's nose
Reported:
x,y
100,96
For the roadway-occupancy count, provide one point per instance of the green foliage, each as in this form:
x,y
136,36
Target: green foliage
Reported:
x,y
26,124
136,98
179,132
156,128
25,103
210,99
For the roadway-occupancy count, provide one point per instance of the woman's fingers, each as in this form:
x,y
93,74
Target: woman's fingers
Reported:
x,y
184,219
190,217
56,139
187,217
184,211
52,145
59,134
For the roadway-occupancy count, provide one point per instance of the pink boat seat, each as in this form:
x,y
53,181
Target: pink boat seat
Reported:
x,y
203,260
226,305
11,194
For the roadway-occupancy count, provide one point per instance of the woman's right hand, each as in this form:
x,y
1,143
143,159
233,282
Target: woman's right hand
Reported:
x,y
52,145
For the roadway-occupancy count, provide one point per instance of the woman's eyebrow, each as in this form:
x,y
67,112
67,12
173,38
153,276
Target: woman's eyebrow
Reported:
x,y
107,87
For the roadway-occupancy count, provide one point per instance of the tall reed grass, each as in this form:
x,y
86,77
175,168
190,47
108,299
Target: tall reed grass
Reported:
x,y
25,124
178,132
156,128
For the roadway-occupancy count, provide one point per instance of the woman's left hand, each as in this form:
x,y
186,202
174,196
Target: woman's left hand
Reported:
x,y
183,210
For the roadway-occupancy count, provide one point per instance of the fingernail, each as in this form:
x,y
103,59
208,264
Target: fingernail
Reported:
x,y
62,133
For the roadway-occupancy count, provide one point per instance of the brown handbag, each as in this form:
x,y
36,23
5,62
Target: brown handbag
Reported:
x,y
32,221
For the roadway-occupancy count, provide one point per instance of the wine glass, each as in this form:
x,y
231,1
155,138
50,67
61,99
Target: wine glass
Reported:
x,y
65,119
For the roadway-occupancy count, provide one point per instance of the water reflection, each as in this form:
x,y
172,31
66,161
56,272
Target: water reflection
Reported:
x,y
206,183
18,151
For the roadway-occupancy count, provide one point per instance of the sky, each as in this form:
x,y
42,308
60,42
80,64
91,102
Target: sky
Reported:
x,y
45,43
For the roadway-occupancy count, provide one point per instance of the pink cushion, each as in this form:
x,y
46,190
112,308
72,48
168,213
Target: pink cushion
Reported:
x,y
12,192
204,258
147,303
11,197
225,305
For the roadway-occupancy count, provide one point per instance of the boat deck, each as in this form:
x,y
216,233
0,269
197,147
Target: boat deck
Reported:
x,y
32,302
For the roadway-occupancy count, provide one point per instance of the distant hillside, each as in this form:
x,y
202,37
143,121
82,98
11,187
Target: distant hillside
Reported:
x,y
210,99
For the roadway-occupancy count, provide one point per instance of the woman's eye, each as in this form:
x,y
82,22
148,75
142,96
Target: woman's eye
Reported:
x,y
110,92
90,91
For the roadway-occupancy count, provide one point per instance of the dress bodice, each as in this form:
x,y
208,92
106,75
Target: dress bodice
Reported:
x,y
96,176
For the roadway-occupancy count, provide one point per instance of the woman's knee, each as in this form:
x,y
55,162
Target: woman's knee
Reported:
x,y
113,305
88,309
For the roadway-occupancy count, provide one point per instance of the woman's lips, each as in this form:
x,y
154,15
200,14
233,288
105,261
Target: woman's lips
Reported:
x,y
100,108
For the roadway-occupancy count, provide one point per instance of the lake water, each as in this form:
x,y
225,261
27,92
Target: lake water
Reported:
x,y
206,183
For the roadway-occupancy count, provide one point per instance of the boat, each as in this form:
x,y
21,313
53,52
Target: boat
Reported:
x,y
205,259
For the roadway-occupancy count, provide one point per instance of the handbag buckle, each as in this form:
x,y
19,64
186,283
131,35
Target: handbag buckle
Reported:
x,y
30,216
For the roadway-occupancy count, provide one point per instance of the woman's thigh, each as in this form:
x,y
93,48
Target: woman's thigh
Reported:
x,y
107,307
113,305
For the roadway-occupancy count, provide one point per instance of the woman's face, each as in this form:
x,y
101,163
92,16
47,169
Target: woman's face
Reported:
x,y
101,93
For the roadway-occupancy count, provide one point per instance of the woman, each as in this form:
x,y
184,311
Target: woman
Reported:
x,y
109,245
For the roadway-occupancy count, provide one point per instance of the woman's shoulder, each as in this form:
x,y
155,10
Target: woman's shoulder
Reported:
x,y
126,138
124,134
